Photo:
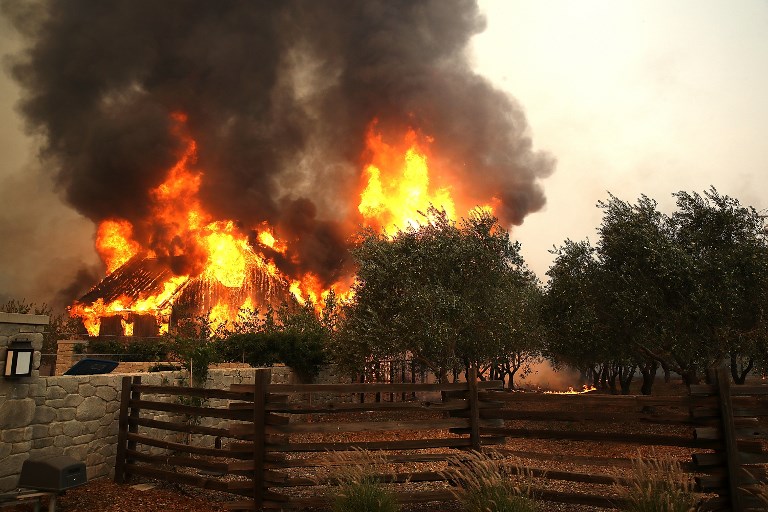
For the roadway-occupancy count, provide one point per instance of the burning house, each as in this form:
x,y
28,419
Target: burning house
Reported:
x,y
143,298
229,151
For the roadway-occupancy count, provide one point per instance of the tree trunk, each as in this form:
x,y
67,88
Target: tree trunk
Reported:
x,y
690,376
740,376
667,375
626,374
613,373
648,370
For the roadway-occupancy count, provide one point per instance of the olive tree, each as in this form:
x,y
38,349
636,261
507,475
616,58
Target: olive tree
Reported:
x,y
443,292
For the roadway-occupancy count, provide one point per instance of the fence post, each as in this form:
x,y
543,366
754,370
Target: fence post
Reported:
x,y
729,437
474,410
262,380
122,431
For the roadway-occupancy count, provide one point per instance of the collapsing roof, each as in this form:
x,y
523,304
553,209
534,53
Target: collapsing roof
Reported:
x,y
145,293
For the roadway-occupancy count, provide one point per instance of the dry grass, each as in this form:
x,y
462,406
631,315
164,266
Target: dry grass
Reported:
x,y
359,475
659,485
486,483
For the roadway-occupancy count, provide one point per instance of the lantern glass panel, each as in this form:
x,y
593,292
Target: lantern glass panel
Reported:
x,y
23,362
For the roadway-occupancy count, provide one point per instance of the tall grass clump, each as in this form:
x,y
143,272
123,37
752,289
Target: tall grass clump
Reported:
x,y
486,484
760,491
359,476
659,485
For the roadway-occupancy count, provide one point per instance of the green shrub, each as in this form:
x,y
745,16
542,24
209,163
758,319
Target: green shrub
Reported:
x,y
659,485
147,350
486,484
195,356
302,351
106,346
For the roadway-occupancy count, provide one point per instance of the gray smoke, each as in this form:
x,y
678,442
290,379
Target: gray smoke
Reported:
x,y
278,96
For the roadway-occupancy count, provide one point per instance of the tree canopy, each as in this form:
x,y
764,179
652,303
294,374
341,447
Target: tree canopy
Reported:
x,y
685,290
444,292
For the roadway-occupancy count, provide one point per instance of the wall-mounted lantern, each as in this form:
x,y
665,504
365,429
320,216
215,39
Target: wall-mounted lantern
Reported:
x,y
18,361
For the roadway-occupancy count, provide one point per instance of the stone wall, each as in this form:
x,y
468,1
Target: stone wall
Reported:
x,y
78,416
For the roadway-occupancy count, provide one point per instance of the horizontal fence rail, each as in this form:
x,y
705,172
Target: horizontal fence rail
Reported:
x,y
281,446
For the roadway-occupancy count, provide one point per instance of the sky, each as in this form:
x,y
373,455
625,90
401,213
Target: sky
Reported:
x,y
629,97
632,98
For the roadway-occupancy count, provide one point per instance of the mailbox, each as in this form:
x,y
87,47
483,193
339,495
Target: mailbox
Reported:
x,y
52,474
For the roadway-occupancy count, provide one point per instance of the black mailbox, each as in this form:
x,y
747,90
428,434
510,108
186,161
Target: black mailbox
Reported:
x,y
52,474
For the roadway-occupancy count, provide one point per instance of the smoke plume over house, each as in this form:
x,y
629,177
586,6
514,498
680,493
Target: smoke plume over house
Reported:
x,y
280,99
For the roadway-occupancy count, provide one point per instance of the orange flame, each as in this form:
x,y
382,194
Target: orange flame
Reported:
x,y
397,188
115,244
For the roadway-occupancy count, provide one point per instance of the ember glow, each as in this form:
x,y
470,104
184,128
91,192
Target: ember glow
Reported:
x,y
571,391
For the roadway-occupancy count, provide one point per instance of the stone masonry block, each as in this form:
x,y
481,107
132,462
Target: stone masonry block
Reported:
x,y
67,414
73,401
18,391
41,430
73,428
16,413
62,441
16,435
86,390
54,392
44,415
43,442
79,452
108,419
8,483
85,438
12,464
106,380
67,382
93,459
106,393
22,447
92,425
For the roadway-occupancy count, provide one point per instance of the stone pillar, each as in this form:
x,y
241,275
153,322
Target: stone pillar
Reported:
x,y
31,327
65,350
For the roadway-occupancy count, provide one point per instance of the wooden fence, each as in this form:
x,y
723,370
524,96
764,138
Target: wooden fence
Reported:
x,y
721,431
274,449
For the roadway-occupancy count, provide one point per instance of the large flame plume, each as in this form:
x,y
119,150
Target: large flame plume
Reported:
x,y
395,191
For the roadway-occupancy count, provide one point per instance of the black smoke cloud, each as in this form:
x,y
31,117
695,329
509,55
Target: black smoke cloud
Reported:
x,y
278,96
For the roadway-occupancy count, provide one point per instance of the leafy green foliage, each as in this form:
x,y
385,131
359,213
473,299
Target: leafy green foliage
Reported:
x,y
196,356
442,292
295,337
193,345
106,346
685,290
